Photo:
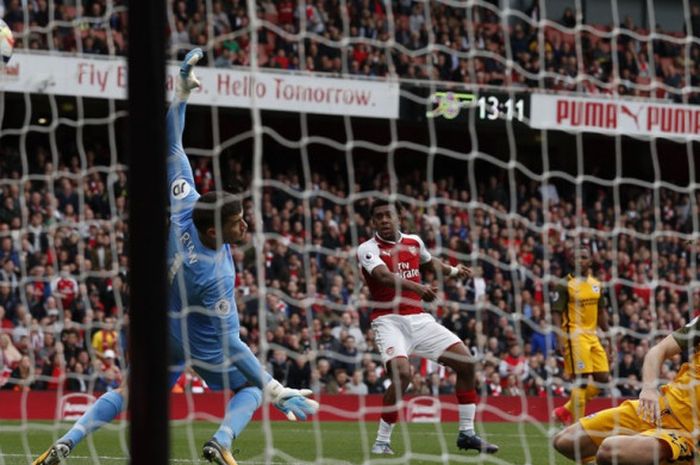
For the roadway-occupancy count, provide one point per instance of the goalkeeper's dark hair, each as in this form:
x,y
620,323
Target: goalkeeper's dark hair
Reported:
x,y
212,204
383,203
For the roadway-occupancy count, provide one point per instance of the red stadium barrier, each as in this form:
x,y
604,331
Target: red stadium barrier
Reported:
x,y
47,405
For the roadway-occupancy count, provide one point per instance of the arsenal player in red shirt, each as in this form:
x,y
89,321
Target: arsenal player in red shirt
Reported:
x,y
391,264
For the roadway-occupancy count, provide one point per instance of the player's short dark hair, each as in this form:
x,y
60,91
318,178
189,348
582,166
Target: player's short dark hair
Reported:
x,y
212,204
383,203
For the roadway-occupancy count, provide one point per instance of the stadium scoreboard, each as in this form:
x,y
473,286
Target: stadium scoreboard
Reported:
x,y
489,106
457,106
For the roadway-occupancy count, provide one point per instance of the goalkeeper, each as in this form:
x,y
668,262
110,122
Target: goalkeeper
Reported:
x,y
204,326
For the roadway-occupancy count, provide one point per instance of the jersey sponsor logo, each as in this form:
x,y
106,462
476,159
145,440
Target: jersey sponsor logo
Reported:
x,y
222,307
179,189
406,272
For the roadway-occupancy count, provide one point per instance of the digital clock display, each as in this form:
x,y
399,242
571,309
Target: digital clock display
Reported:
x,y
449,105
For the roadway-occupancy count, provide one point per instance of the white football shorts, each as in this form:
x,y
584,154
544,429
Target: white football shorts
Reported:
x,y
418,334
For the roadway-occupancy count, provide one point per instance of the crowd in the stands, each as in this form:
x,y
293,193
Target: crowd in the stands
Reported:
x,y
414,40
64,268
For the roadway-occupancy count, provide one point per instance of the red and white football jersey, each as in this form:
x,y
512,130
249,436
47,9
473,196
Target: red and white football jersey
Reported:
x,y
403,258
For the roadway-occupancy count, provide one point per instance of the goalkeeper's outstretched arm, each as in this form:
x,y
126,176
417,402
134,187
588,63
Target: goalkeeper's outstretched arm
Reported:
x,y
292,402
180,176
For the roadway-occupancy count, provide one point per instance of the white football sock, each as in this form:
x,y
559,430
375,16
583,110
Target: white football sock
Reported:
x,y
384,432
466,417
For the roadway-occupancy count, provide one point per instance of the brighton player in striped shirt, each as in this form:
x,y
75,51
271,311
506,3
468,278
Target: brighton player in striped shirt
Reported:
x,y
391,264
203,315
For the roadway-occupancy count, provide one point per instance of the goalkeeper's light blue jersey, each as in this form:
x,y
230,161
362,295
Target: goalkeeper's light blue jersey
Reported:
x,y
202,301
202,305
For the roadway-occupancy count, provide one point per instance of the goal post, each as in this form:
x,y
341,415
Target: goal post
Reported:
x,y
148,398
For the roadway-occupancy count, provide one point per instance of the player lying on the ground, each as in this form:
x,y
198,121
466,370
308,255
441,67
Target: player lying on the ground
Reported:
x,y
578,307
658,428
204,326
391,264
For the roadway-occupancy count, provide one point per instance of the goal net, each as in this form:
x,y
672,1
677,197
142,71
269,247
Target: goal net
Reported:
x,y
508,131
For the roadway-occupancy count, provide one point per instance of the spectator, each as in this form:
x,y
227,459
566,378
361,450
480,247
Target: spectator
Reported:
x,y
325,373
628,375
9,357
348,356
65,287
568,19
105,339
544,340
350,326
278,366
356,385
338,383
299,374
513,386
694,21
513,364
373,383
6,324
109,375
328,345
493,386
76,381
54,372
22,377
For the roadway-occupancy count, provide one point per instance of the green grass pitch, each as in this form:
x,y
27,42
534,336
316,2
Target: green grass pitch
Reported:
x,y
294,443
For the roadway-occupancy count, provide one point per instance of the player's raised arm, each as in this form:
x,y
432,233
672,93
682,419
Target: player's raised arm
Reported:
x,y
180,177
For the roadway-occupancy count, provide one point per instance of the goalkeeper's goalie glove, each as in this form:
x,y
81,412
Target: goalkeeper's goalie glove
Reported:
x,y
187,81
294,403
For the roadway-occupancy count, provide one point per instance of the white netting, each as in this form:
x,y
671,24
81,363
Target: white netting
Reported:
x,y
480,187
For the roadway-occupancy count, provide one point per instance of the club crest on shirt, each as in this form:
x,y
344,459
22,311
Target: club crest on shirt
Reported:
x,y
390,350
222,307
412,250
554,295
179,189
596,289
